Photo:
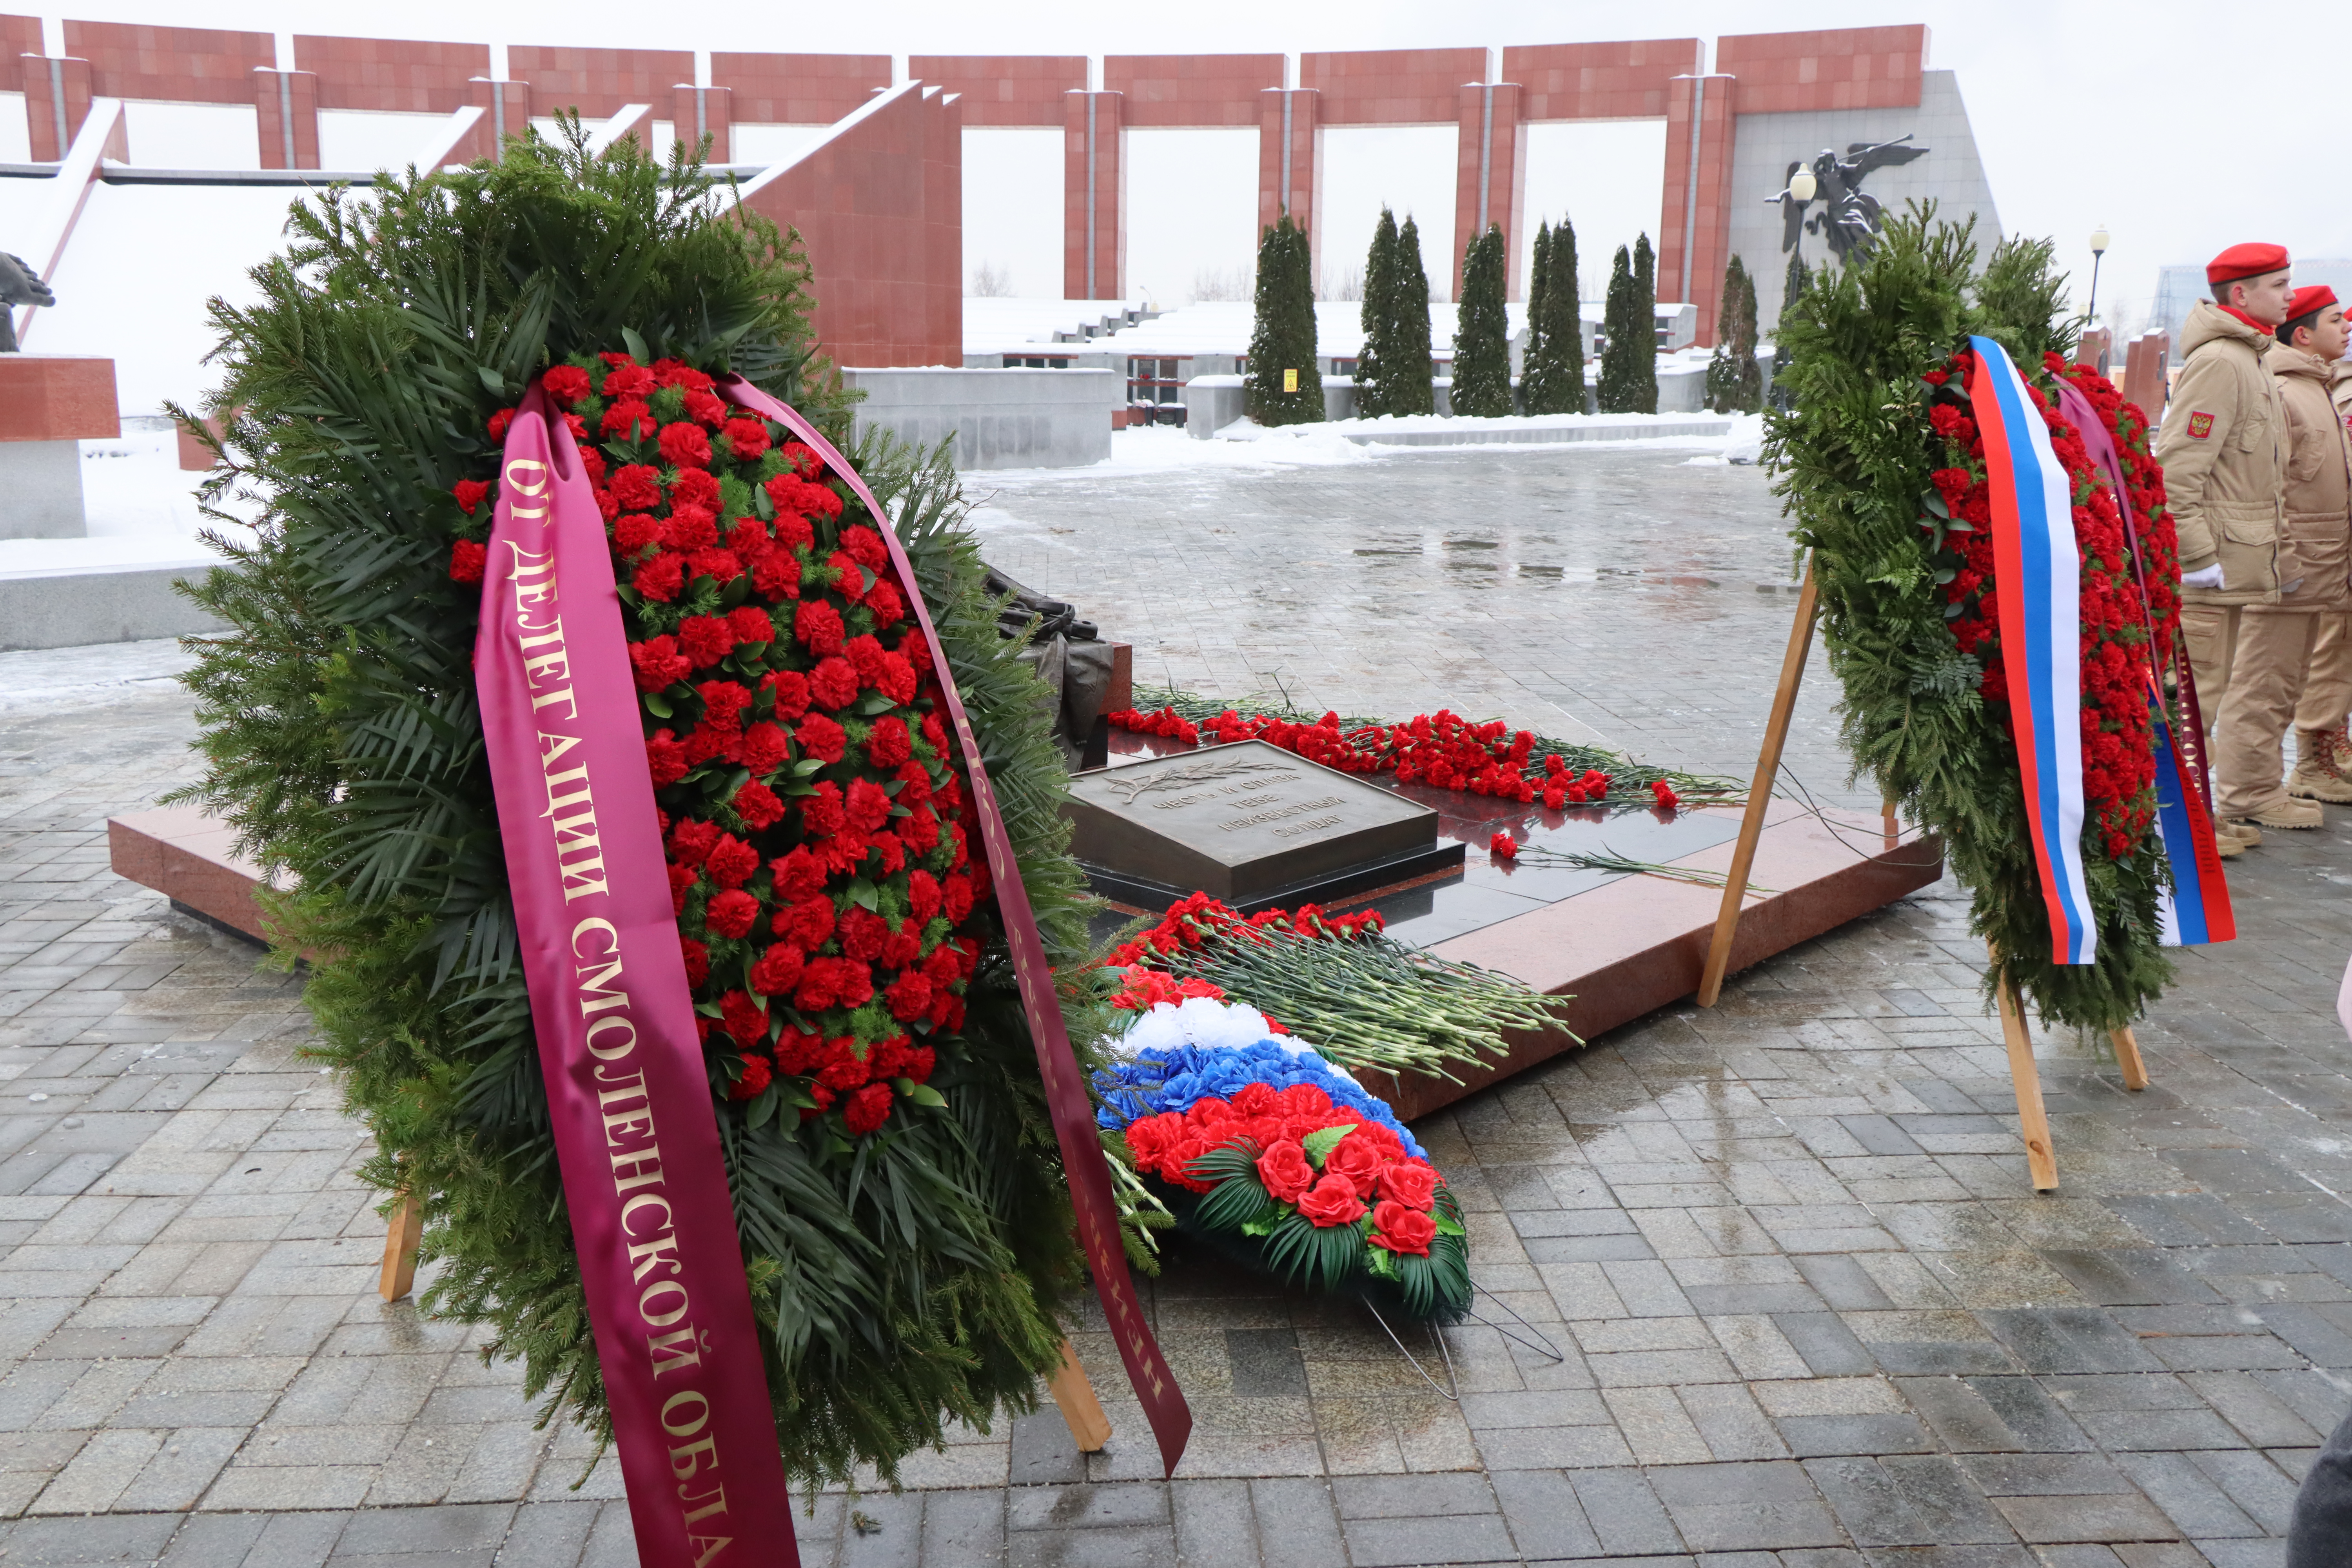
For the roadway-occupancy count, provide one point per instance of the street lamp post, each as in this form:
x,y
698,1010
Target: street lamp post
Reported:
x,y
2098,253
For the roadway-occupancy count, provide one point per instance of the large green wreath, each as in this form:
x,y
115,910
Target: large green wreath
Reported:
x,y
1871,482
921,1281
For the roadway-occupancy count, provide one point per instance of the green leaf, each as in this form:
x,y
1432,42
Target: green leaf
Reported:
x,y
493,380
636,346
864,894
657,704
1319,1145
875,702
920,1093
1447,1225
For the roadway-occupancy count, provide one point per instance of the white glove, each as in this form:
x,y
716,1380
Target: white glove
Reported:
x,y
2206,577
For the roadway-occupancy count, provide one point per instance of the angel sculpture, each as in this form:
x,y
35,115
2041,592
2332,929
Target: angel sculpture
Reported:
x,y
1848,216
19,285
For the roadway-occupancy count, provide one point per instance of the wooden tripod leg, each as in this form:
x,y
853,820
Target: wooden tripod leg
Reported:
x,y
2127,1059
400,1241
2033,1121
1759,793
1089,1427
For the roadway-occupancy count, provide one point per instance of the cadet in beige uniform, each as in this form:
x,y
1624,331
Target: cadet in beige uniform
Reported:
x,y
2322,746
2319,528
2223,447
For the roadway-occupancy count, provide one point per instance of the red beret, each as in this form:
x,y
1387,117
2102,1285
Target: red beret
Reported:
x,y
2246,261
2311,297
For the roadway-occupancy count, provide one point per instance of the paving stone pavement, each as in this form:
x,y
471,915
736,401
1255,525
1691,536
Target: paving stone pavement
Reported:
x,y
1808,1311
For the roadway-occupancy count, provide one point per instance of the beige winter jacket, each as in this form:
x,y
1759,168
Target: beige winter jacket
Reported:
x,y
2223,447
2318,479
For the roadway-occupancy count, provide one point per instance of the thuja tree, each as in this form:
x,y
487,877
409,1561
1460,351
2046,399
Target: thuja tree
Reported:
x,y
1551,378
1628,360
1734,383
911,1286
1481,345
1793,287
1283,338
1378,316
1408,374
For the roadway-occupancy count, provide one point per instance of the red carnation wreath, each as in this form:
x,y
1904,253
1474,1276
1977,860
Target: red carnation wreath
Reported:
x,y
815,827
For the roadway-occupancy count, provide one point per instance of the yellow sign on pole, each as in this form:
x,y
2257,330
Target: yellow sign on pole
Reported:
x,y
1290,381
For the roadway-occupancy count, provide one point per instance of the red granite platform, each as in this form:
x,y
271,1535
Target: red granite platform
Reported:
x,y
190,859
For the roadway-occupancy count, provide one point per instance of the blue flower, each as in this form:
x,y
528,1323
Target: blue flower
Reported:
x,y
1178,1078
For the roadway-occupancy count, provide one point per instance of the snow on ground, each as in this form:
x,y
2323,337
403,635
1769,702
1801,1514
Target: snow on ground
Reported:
x,y
79,676
141,508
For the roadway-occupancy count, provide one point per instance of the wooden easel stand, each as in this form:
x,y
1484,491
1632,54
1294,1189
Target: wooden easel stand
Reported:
x,y
2033,1120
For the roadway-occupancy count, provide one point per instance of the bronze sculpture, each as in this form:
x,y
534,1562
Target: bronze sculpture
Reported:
x,y
19,285
1849,218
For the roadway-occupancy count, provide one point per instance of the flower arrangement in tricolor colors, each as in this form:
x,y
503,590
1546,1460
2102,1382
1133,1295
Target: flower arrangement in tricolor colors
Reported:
x,y
1371,1001
1441,749
818,862
1884,469
1260,1145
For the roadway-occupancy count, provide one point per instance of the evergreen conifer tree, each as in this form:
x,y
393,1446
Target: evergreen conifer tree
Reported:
x,y
1374,379
1482,347
1792,288
1734,384
1531,361
1552,377
1645,316
1630,344
1410,376
1284,337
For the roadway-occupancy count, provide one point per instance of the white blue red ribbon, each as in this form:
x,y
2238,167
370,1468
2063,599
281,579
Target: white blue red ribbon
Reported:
x,y
2038,570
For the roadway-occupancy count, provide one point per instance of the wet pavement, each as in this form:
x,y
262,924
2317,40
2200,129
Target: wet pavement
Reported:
x,y
1806,1311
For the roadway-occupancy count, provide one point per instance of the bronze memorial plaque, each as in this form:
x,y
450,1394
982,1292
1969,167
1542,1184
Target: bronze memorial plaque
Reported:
x,y
1249,823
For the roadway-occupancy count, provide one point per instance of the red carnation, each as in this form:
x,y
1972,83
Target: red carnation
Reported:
x,y
910,997
468,562
665,759
794,533
863,932
731,913
867,805
591,463
867,1109
833,683
848,577
628,420
657,663
750,623
747,438
698,960
1501,846
791,692
690,527
627,378
823,739
775,575
865,546
1663,794
694,488
498,423
746,1019
723,702
883,600
469,493
764,750
888,746
705,640
1401,1229
706,409
923,894
566,384
721,566
682,879
809,921
757,1075
818,625
634,532
685,446
661,578
778,970
757,805
637,487
732,861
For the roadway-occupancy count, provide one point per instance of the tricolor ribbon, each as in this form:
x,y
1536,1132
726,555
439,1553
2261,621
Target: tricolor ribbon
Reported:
x,y
2195,909
1072,1113
2038,570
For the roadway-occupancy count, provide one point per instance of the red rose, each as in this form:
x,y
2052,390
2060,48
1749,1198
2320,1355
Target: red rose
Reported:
x,y
867,1109
1401,1229
757,805
566,384
1412,1182
469,493
685,446
1356,1159
1284,1168
468,562
1332,1202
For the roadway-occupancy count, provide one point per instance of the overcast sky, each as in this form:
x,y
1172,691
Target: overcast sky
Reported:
x,y
2180,137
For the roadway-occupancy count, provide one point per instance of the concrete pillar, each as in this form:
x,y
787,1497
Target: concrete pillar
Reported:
x,y
698,111
1695,217
288,105
1287,118
506,107
56,101
47,404
1490,176
1094,188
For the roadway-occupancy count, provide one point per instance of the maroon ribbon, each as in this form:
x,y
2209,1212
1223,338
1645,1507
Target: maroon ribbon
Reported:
x,y
628,1098
1066,1091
